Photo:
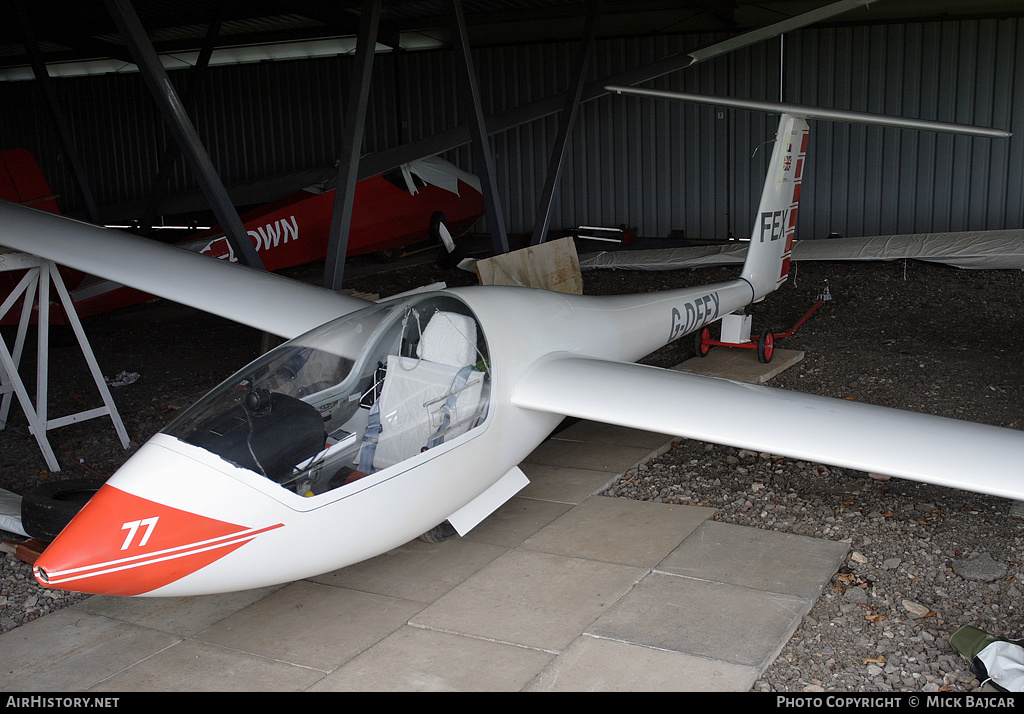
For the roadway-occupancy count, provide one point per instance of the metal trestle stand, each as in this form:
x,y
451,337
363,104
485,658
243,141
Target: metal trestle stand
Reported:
x,y
35,286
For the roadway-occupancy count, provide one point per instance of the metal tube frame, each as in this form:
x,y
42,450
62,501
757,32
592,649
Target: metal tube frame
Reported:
x,y
457,136
177,119
482,154
566,123
172,151
36,282
43,77
351,140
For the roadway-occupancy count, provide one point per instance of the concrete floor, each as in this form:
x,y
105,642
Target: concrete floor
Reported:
x,y
558,590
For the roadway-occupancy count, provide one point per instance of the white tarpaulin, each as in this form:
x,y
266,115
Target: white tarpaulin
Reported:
x,y
976,250
10,513
439,172
413,405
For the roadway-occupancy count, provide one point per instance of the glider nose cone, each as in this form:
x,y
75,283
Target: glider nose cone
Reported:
x,y
122,544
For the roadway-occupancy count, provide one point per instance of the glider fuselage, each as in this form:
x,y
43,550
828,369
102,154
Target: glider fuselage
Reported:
x,y
179,518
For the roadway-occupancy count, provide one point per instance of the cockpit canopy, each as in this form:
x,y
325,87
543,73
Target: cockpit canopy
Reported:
x,y
354,396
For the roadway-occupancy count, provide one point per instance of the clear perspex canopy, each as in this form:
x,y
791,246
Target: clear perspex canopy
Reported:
x,y
354,396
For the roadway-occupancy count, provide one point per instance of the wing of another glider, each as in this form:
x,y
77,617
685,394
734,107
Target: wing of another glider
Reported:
x,y
859,436
256,298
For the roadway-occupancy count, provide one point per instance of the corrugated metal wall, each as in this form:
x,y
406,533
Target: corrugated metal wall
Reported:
x,y
255,120
665,166
659,165
868,180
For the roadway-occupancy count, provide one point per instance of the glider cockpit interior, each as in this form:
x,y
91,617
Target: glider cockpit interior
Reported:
x,y
357,395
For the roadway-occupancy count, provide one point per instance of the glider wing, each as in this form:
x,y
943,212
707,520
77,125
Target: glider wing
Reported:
x,y
919,447
256,298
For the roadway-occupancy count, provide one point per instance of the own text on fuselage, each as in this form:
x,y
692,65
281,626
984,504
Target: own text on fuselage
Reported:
x,y
264,237
271,234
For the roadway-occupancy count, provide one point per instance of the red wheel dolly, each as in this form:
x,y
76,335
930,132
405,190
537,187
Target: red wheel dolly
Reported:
x,y
736,333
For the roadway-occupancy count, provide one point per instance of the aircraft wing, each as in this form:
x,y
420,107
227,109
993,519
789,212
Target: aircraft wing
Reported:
x,y
920,447
973,250
256,298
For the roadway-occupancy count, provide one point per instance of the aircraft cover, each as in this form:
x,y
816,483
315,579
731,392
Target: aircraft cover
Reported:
x,y
974,250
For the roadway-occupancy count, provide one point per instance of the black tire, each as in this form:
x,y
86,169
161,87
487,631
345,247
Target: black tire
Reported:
x,y
445,259
434,230
388,256
46,509
439,533
448,260
766,347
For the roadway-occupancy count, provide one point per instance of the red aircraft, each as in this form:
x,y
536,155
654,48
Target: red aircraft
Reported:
x,y
391,211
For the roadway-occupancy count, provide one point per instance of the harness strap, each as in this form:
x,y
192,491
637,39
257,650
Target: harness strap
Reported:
x,y
370,438
449,404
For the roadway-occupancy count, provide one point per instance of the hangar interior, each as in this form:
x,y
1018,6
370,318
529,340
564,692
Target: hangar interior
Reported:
x,y
147,108
219,105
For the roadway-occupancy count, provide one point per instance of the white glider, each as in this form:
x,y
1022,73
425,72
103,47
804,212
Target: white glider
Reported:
x,y
374,425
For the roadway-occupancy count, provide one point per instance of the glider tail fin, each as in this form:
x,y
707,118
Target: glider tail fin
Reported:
x,y
771,240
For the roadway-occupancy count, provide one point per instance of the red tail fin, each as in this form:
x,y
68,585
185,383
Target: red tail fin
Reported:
x,y
22,181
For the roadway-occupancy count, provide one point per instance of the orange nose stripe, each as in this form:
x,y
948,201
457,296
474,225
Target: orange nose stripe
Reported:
x,y
121,544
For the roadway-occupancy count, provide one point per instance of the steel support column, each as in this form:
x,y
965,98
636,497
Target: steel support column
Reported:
x,y
457,136
351,141
43,77
483,159
134,35
566,123
172,151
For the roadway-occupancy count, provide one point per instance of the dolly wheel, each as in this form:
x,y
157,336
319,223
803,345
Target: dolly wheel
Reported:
x,y
701,342
766,347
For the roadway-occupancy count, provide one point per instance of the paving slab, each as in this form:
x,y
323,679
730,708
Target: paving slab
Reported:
x,y
618,530
740,364
758,559
414,659
71,650
181,616
417,571
703,619
311,625
516,521
563,484
193,666
594,432
592,664
531,599
609,458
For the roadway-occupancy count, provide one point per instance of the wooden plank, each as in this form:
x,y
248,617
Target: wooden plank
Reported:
x,y
549,266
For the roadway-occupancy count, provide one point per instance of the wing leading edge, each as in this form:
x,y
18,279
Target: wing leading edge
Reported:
x,y
256,298
859,436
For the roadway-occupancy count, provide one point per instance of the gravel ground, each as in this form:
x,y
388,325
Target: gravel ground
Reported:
x,y
924,560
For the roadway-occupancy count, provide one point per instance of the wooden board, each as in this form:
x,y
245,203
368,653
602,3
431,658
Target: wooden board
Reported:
x,y
549,266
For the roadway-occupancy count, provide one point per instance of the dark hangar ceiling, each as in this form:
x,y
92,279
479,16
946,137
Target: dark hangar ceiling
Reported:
x,y
83,30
